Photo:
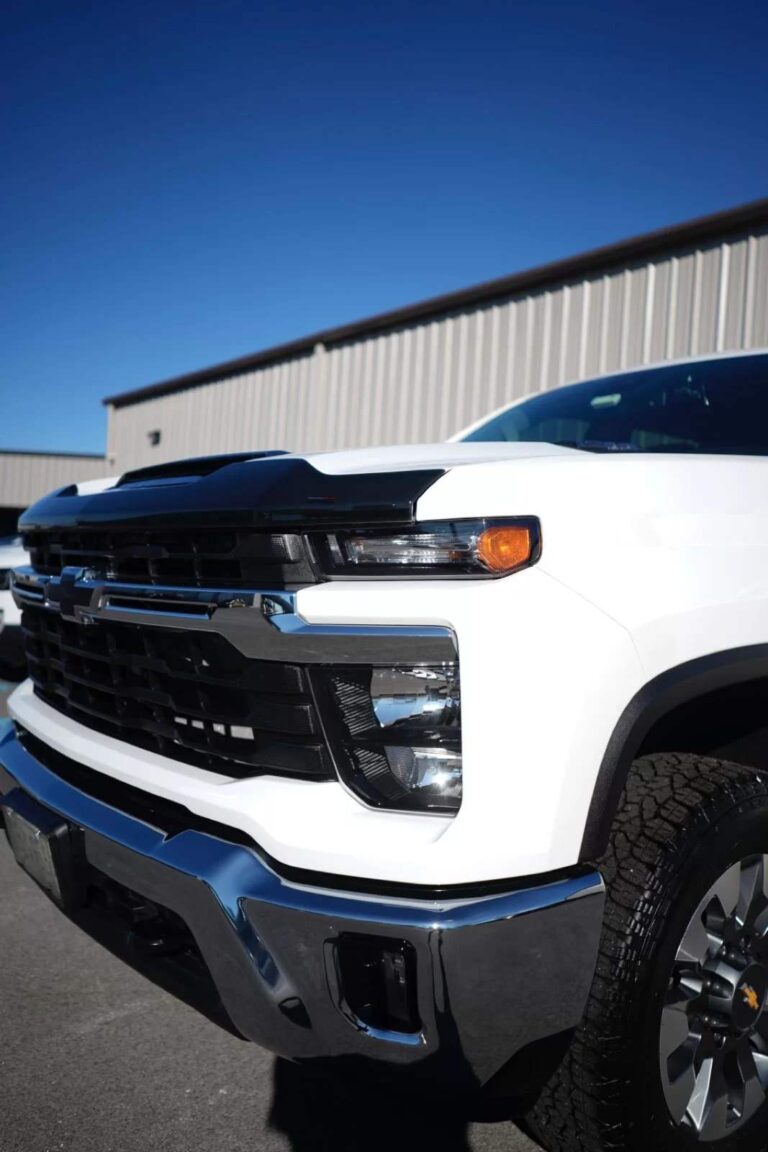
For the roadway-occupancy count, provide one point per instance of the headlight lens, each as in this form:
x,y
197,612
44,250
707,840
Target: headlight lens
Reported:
x,y
487,547
397,734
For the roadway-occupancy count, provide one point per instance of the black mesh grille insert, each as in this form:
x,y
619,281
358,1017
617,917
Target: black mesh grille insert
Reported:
x,y
190,696
217,557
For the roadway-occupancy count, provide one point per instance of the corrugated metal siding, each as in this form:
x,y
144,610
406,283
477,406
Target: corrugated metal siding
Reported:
x,y
426,381
26,476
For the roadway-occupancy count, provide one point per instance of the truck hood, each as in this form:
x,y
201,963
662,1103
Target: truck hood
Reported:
x,y
406,457
352,461
371,485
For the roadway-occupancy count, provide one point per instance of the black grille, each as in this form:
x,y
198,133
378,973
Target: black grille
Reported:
x,y
190,696
220,557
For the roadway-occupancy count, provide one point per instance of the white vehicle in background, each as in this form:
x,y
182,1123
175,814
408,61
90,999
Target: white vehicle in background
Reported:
x,y
12,662
446,760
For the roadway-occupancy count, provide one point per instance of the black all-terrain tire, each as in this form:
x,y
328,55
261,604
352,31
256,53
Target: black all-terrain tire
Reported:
x,y
681,822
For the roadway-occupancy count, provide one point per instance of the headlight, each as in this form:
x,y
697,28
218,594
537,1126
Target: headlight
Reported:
x,y
488,547
396,734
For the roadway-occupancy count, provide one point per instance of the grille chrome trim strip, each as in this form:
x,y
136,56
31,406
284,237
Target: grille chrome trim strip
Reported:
x,y
260,623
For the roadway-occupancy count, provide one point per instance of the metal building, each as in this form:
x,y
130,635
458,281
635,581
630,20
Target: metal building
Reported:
x,y
26,476
423,372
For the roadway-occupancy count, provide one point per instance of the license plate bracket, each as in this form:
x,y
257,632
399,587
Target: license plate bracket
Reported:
x,y
47,847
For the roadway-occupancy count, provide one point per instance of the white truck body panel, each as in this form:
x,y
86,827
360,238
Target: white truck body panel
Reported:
x,y
12,555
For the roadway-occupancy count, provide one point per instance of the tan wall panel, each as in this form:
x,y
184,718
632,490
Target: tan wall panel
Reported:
x,y
26,476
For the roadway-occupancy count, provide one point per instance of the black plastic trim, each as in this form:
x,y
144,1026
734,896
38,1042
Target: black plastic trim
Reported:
x,y
12,657
278,491
655,700
190,467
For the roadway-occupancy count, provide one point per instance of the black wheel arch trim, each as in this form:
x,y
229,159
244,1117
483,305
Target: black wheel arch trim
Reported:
x,y
656,699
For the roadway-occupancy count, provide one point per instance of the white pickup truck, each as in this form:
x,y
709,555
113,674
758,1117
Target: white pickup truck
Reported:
x,y
447,761
12,555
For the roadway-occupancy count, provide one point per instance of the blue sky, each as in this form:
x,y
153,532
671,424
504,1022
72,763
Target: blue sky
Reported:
x,y
184,182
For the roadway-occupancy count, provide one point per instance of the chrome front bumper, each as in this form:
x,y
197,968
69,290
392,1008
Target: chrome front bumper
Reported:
x,y
492,973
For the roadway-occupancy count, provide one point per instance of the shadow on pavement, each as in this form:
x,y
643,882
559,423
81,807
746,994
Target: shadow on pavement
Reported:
x,y
323,1111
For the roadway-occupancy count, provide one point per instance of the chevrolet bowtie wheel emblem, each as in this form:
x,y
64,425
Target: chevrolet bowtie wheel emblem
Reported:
x,y
750,997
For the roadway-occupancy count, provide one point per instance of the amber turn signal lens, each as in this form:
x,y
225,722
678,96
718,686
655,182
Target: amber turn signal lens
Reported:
x,y
502,549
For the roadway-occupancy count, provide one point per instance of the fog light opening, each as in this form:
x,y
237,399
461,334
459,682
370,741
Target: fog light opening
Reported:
x,y
378,981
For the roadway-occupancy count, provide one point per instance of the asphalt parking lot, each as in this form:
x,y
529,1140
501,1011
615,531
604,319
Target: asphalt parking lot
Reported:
x,y
94,1057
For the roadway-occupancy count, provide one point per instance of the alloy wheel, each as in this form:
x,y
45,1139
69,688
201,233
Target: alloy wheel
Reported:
x,y
714,1026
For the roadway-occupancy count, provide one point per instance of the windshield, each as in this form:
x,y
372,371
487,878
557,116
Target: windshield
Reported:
x,y
712,406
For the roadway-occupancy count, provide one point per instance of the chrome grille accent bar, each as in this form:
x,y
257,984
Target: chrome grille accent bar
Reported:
x,y
260,623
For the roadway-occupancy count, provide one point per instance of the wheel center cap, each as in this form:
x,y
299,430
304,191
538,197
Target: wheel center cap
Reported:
x,y
749,997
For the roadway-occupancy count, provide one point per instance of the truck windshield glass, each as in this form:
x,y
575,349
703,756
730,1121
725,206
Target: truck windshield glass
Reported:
x,y
716,406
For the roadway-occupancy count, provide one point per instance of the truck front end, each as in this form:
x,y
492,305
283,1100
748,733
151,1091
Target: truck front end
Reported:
x,y
286,745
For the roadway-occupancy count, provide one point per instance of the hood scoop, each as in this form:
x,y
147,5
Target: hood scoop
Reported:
x,y
183,471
